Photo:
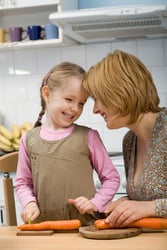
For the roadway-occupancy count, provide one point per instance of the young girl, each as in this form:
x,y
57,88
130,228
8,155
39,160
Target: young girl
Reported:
x,y
54,179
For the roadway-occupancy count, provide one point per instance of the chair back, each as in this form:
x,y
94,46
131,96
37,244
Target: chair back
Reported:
x,y
8,164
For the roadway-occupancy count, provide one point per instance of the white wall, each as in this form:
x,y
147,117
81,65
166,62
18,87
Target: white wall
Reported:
x,y
21,71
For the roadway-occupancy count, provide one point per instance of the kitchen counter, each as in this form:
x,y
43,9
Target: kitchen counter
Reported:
x,y
74,241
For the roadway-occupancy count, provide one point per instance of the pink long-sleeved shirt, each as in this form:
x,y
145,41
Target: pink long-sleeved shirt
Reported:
x,y
102,164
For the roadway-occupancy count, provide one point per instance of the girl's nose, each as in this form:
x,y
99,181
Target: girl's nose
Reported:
x,y
74,107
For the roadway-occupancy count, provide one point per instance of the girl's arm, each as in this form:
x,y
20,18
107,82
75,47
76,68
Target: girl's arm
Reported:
x,y
107,173
24,183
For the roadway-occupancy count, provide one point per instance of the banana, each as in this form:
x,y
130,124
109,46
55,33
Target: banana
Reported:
x,y
5,147
27,126
5,132
16,140
15,146
16,131
5,141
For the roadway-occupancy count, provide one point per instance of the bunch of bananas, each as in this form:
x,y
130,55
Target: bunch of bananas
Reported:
x,y
10,139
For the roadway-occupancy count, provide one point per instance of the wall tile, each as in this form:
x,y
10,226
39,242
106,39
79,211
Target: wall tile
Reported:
x,y
96,52
47,58
9,113
25,62
151,52
14,88
33,84
75,54
28,111
127,46
159,75
6,62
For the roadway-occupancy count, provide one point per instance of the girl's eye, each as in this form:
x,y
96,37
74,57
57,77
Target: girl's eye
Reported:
x,y
68,99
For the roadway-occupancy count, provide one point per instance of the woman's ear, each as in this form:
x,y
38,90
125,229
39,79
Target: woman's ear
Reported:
x,y
45,93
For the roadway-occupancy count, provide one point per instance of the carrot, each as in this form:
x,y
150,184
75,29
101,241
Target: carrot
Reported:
x,y
152,223
51,225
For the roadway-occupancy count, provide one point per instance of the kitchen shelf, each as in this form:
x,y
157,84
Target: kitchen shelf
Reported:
x,y
35,44
31,15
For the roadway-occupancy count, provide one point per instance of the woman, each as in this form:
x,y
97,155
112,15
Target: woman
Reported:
x,y
125,96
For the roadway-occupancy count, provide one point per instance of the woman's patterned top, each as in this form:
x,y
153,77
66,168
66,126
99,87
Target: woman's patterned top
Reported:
x,y
152,184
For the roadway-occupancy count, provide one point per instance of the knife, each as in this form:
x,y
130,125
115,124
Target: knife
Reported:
x,y
100,215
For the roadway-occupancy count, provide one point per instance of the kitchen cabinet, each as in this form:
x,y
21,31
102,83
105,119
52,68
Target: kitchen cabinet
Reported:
x,y
7,4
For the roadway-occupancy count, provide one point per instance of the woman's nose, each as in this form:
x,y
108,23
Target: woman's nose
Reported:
x,y
95,108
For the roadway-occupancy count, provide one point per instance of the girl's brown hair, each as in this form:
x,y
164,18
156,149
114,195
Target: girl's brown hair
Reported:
x,y
55,78
122,82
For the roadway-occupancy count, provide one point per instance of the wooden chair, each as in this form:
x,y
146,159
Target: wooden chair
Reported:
x,y
8,164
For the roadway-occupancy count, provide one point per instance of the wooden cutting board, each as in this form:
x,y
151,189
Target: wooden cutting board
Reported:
x,y
34,233
43,232
92,233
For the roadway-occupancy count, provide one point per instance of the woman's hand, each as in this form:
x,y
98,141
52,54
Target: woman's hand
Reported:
x,y
125,211
83,205
30,212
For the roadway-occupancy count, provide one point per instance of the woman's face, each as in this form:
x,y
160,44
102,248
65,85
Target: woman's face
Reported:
x,y
112,122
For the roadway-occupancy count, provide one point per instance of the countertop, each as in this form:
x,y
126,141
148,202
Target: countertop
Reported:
x,y
74,241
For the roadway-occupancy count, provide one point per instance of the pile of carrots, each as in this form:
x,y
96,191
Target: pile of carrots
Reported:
x,y
151,223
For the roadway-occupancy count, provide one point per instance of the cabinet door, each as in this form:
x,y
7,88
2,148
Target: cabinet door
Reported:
x,y
3,4
29,3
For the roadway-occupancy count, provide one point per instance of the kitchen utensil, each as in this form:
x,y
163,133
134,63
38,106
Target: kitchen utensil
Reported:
x,y
100,215
17,34
35,32
51,30
91,232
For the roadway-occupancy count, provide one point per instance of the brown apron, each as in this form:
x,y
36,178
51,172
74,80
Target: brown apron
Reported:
x,y
61,170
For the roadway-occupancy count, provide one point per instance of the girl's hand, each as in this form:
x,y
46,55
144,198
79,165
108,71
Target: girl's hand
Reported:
x,y
126,211
83,205
30,212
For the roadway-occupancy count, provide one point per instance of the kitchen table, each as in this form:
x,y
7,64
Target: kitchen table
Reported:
x,y
74,241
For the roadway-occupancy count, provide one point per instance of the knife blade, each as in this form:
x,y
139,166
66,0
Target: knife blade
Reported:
x,y
100,215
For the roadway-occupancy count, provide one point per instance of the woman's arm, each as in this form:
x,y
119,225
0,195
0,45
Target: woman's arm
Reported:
x,y
161,207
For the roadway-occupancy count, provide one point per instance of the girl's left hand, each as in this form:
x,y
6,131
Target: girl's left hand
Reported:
x,y
128,211
83,205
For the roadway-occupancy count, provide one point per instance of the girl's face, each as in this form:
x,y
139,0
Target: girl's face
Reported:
x,y
65,104
112,122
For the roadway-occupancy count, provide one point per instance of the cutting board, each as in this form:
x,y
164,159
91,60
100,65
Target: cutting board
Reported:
x,y
34,233
43,232
92,233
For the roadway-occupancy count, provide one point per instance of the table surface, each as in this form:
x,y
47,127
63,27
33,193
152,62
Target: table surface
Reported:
x,y
74,241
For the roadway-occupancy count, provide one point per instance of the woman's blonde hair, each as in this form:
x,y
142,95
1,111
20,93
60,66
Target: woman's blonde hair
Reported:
x,y
55,78
121,82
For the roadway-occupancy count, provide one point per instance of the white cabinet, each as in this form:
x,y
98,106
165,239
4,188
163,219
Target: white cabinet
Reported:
x,y
3,4
7,4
